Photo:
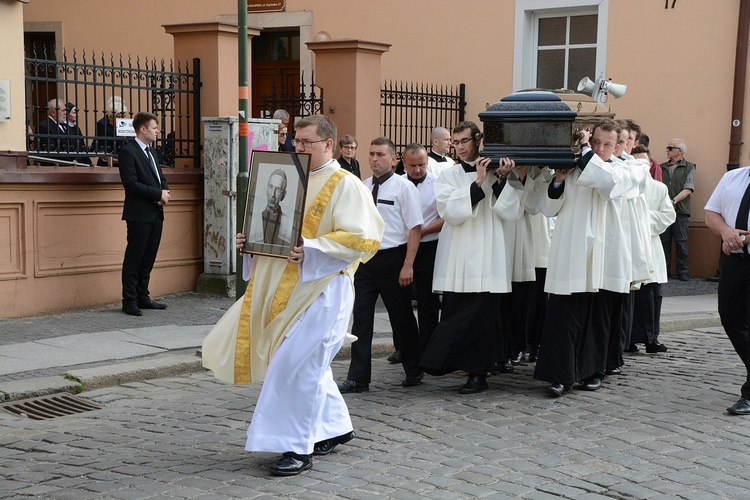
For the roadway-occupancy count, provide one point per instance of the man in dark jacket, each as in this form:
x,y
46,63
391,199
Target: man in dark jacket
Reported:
x,y
146,193
679,176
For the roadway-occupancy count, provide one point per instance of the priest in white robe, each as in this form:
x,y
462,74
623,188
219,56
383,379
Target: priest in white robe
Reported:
x,y
581,199
293,317
473,264
648,298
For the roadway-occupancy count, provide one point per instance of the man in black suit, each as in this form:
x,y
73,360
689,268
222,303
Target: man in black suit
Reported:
x,y
53,129
146,193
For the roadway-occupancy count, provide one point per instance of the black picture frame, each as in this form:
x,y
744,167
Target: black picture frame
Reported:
x,y
267,231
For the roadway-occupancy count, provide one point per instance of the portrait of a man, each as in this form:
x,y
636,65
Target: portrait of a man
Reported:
x,y
274,226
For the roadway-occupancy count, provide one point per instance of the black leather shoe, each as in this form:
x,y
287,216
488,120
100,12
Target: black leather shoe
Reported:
x,y
557,390
632,348
348,386
518,358
395,357
131,309
656,347
292,464
475,384
326,446
533,355
741,407
411,381
150,304
614,371
592,383
683,277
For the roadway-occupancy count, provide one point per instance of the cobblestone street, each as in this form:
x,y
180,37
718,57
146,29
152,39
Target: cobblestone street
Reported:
x,y
659,430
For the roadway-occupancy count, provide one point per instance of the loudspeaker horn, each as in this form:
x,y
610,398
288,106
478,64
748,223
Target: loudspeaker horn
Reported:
x,y
616,89
586,85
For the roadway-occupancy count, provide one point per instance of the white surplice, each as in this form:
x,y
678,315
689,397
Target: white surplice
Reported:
x,y
475,249
577,254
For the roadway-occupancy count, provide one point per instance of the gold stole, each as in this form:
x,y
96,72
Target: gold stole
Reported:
x,y
288,281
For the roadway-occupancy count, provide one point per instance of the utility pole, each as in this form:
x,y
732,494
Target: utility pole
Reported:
x,y
242,171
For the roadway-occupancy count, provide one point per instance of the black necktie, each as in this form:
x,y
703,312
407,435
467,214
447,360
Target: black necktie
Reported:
x,y
152,163
376,182
743,213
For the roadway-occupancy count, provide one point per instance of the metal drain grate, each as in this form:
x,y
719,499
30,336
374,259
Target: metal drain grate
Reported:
x,y
46,407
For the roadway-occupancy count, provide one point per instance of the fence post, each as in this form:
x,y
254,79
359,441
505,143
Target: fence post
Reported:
x,y
349,73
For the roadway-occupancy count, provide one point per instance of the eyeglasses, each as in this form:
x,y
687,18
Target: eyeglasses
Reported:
x,y
670,148
463,141
305,144
348,146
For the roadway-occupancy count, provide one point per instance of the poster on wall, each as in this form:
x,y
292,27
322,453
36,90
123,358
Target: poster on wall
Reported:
x,y
4,100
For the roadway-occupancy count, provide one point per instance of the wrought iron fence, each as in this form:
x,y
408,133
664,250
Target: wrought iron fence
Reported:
x,y
409,111
103,90
308,102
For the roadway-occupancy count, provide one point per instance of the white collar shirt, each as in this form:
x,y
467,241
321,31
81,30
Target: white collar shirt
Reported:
x,y
726,198
430,214
400,206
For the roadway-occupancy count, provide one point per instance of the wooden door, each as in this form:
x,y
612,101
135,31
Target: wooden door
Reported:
x,y
40,45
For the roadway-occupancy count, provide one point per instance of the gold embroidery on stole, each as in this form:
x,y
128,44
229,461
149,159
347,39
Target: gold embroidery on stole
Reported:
x,y
288,281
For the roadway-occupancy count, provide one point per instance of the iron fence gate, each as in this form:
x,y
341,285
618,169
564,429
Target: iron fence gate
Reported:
x,y
409,111
308,102
104,90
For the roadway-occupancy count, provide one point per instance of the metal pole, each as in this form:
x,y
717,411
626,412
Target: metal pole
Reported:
x,y
738,102
242,171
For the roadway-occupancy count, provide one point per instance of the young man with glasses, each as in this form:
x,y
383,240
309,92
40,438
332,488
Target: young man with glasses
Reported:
x,y
293,318
473,264
679,176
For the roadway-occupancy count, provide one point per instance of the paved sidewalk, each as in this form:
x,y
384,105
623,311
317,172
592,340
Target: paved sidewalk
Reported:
x,y
101,346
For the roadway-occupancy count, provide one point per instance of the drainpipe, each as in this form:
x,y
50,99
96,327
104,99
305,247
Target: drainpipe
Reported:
x,y
242,173
738,103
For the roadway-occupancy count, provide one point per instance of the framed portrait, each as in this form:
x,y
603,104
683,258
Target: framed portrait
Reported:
x,y
275,202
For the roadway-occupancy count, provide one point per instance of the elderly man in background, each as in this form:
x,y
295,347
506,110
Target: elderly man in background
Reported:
x,y
679,176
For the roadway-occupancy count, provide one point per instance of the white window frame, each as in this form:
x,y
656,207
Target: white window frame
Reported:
x,y
528,13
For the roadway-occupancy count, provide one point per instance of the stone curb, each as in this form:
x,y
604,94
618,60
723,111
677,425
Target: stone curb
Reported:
x,y
134,371
35,387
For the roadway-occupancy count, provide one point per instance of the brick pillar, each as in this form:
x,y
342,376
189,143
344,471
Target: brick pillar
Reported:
x,y
215,43
348,71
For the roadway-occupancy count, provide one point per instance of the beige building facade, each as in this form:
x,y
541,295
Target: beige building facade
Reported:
x,y
677,59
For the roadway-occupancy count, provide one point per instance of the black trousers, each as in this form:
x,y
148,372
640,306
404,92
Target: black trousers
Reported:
x,y
428,303
734,307
523,304
539,310
470,335
379,277
647,314
620,325
140,255
575,337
